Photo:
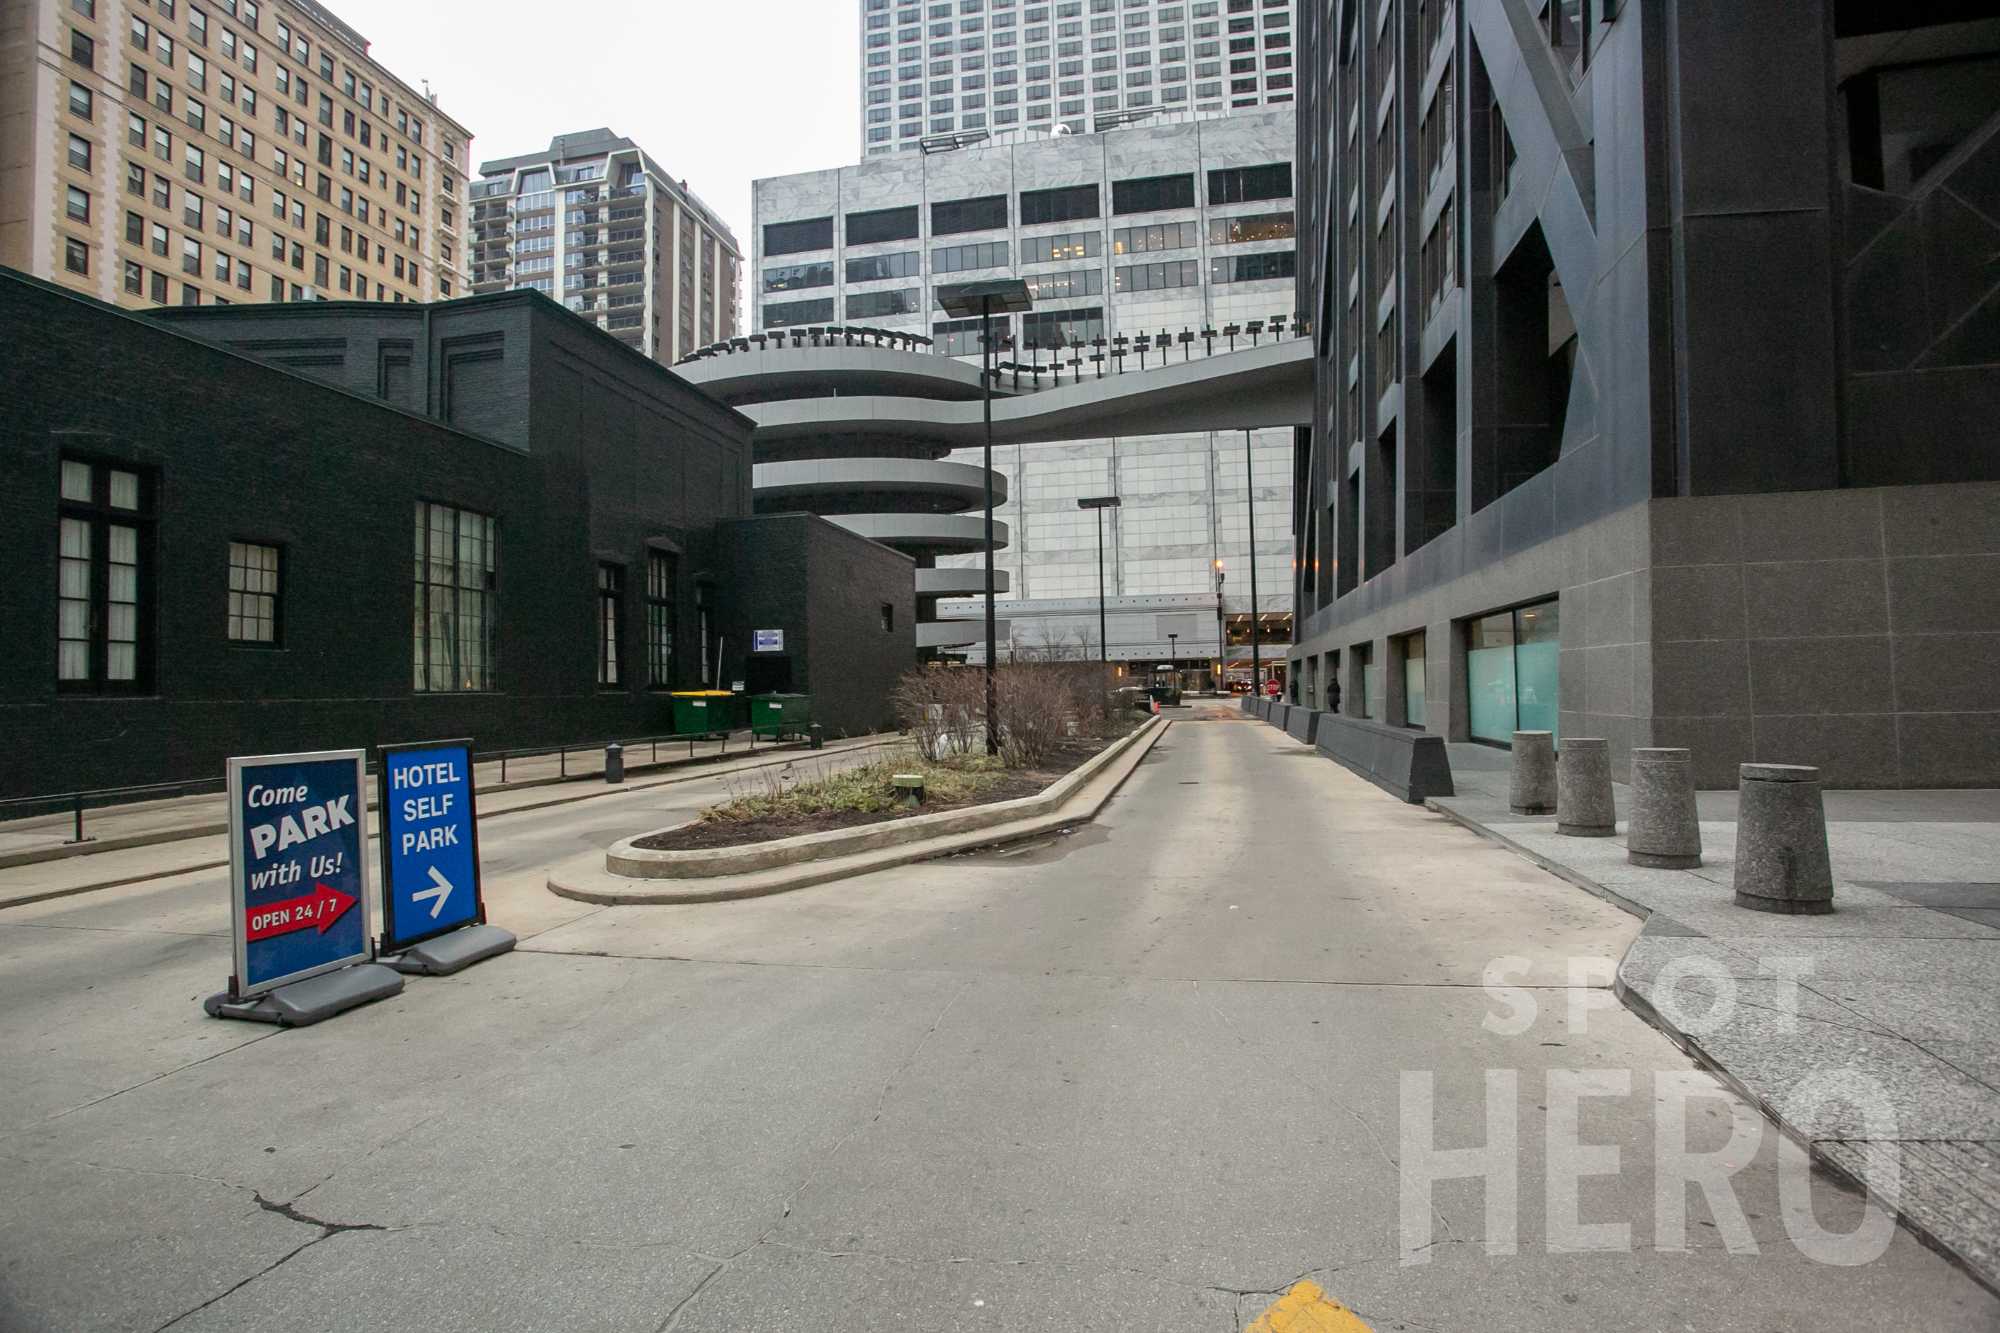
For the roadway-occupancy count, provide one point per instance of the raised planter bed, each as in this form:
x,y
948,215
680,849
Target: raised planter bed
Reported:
x,y
628,858
989,786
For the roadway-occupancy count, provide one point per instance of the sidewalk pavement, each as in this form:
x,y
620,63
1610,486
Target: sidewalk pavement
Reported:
x,y
1900,985
156,838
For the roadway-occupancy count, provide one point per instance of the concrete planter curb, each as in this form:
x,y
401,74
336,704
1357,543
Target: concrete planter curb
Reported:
x,y
1303,724
630,874
1410,765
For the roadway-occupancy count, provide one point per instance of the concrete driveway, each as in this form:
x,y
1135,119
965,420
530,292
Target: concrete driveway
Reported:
x,y
1145,1075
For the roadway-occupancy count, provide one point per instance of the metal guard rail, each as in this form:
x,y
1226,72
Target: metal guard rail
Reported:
x,y
97,798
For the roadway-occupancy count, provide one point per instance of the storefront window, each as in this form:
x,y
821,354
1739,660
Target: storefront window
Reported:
x,y
1371,679
1414,679
1511,670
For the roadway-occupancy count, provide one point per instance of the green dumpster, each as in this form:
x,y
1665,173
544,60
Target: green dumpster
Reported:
x,y
776,716
705,712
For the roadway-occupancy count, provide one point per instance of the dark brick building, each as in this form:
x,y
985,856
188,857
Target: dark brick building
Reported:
x,y
489,520
846,606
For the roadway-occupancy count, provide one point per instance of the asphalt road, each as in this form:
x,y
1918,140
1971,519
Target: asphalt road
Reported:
x,y
1142,1076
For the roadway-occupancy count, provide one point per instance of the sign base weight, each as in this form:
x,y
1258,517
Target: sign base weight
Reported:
x,y
307,1002
446,954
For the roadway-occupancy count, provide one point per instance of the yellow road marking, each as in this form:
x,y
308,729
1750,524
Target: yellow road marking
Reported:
x,y
1307,1309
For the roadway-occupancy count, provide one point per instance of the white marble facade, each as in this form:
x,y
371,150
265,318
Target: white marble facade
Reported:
x,y
1007,66
1183,496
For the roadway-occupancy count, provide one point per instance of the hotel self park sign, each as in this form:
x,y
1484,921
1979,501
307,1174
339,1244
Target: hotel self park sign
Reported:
x,y
298,863
430,843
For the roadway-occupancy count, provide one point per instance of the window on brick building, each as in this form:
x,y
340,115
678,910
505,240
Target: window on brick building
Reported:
x,y
610,601
662,578
457,601
253,593
103,578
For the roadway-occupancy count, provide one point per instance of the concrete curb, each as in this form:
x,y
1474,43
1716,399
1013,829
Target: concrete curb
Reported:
x,y
586,879
628,859
600,788
70,851
1691,1046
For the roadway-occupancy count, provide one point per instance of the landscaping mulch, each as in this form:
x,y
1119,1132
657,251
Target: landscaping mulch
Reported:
x,y
765,828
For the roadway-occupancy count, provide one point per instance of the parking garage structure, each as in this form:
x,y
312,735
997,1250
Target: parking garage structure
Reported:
x,y
891,482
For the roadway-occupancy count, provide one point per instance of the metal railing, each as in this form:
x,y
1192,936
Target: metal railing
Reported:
x,y
1072,355
77,802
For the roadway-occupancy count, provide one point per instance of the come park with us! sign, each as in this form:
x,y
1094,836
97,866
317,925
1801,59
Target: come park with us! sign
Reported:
x,y
298,855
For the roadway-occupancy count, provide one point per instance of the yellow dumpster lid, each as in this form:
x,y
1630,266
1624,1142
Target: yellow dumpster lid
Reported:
x,y
702,694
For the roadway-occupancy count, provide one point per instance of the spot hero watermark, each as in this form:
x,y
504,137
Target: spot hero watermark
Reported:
x,y
1631,1158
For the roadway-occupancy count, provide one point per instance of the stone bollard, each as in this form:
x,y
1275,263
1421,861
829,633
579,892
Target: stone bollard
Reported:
x,y
1532,788
1781,857
1584,807
614,762
1663,831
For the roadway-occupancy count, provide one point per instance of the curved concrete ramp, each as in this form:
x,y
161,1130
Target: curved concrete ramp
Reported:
x,y
1252,387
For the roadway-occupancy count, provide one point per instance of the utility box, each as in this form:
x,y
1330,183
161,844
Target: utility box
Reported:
x,y
705,712
776,716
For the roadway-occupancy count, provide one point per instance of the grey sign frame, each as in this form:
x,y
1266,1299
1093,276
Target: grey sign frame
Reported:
x,y
238,894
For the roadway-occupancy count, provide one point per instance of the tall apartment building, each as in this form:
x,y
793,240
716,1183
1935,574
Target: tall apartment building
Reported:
x,y
191,152
593,222
1141,229
930,71
1659,346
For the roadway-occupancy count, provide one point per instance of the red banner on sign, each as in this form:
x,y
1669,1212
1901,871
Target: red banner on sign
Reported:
x,y
322,907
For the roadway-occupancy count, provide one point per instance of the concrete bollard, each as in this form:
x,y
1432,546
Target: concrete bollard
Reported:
x,y
1781,857
1663,831
1531,790
1584,808
614,762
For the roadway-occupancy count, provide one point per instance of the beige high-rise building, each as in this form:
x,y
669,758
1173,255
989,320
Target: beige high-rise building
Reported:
x,y
594,222
196,152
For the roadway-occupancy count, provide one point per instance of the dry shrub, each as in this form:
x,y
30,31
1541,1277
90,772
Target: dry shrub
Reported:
x,y
943,709
1040,705
817,789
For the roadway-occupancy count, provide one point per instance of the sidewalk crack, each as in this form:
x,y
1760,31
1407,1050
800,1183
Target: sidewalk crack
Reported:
x,y
327,1230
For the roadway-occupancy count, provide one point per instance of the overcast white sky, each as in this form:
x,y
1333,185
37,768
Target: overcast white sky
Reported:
x,y
719,92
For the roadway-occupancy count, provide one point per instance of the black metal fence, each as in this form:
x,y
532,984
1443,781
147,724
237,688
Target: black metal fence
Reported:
x,y
77,802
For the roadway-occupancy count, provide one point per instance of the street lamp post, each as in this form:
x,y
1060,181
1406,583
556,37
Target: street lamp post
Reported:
x,y
1250,500
1174,655
1100,503
1221,638
985,299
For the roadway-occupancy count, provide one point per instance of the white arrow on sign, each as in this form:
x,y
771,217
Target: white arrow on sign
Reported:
x,y
440,890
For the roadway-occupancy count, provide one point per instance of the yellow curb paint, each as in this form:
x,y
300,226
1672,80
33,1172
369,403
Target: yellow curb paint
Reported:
x,y
1307,1309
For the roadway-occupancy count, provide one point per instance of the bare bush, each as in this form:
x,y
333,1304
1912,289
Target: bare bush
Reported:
x,y
943,708
1034,704
1039,706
